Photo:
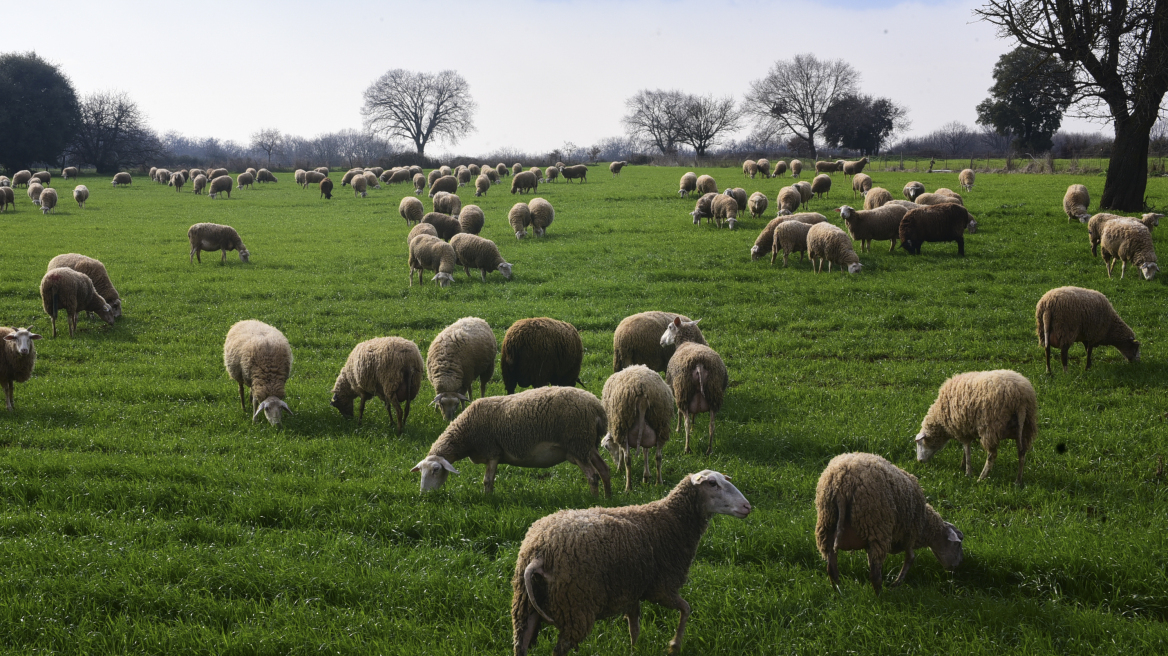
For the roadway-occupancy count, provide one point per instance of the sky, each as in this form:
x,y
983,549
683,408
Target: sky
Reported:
x,y
542,72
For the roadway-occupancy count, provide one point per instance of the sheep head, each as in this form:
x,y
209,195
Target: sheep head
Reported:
x,y
719,494
449,403
106,313
435,470
678,328
116,307
613,449
443,279
947,547
855,267
274,409
1149,269
1130,349
22,339
929,442
244,254
505,269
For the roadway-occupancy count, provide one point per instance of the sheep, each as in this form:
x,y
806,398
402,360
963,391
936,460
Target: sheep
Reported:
x,y
501,170
990,406
524,182
538,173
464,351
264,175
826,167
492,175
1066,315
44,176
199,183
641,339
576,566
252,172
766,237
315,178
258,355
482,184
749,169
34,192
559,165
74,291
1128,240
876,197
97,274
471,219
789,200
445,183
475,169
825,242
796,168
936,198
431,253
758,204
398,176
861,184
789,237
446,225
913,189
907,204
551,174
739,195
411,209
541,351
878,224
934,223
1096,222
616,167
463,176
244,179
22,177
764,168
177,181
852,168
415,169
1075,203
81,194
218,172
706,184
447,203
215,237
699,381
390,368
17,360
516,168
326,188
445,170
48,200
945,191
371,181
724,207
538,428
421,229
689,183
966,178
5,181
433,176
482,254
519,217
578,171
804,189
220,185
7,198
360,186
862,501
780,169
419,181
70,172
821,186
542,215
638,405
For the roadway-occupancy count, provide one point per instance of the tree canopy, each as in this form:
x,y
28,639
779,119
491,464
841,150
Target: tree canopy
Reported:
x,y
863,123
1031,91
39,112
420,107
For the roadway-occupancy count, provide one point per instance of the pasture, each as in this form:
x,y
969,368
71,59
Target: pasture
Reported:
x,y
143,512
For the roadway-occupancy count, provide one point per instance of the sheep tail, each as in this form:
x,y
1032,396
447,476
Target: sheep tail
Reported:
x,y
1046,329
56,303
701,381
533,568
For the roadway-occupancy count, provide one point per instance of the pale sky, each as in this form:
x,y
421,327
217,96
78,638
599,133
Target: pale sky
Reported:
x,y
543,72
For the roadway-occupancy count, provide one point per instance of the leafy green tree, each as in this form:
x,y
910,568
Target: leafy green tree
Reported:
x,y
39,111
863,123
1031,91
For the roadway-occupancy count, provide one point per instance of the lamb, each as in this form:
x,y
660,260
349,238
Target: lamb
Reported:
x,y
482,184
70,172
445,183
419,181
34,192
471,219
220,185
739,195
990,406
421,229
265,175
1075,203
48,200
524,182
326,188
876,197
244,180
97,274
411,209
22,177
827,242
215,237
878,224
1128,240
390,368
937,199
826,167
852,168
861,184
966,178
541,351
706,185
780,169
699,381
360,186
724,207
542,215
804,189
577,566
764,167
749,169
446,225
1066,315
463,176
447,203
935,223
789,200
796,168
639,407
538,428
790,237
482,254
616,167
821,185
464,351
519,217
81,194
1095,226
862,501
766,237
551,174
641,339
913,189
177,181
578,171
199,184
74,291
758,204
432,254
258,355
371,181
17,359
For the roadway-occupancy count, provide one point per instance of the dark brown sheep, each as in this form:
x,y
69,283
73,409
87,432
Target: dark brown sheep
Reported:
x,y
446,225
935,223
539,352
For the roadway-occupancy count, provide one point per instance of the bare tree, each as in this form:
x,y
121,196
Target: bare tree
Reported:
x,y
705,119
420,107
112,133
794,95
269,141
955,138
1120,54
995,143
653,117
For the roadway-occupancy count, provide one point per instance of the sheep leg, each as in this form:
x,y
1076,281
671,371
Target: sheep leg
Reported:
x,y
194,251
1122,269
1108,264
1048,358
405,415
675,428
482,274
875,571
1089,357
72,316
527,637
489,476
1021,452
396,413
1064,357
645,478
626,464
967,459
674,600
601,468
658,463
892,248
710,449
466,268
688,425
242,398
989,463
223,260
8,400
909,557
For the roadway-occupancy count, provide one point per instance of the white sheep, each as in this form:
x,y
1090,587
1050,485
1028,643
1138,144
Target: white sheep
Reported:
x,y
463,352
17,360
1066,315
81,194
215,237
1075,203
825,242
411,209
966,178
258,355
482,254
67,289
639,406
542,215
689,183
1095,226
431,253
390,368
1128,240
758,204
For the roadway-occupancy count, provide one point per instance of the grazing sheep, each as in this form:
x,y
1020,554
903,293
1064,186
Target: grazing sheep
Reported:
x,y
1128,240
420,229
724,207
766,237
4,181
464,351
264,175
432,254
446,225
22,177
347,178
739,195
501,170
519,217
559,165
73,291
821,186
757,203
704,207
1095,226
258,355
177,181
790,237
862,501
796,168
482,254
445,170
323,170
1066,315
579,171
804,189
826,167
433,176
577,566
936,198
764,167
541,351
220,185
934,223
699,380
34,192
749,169
913,189
538,428
17,359
524,182
1075,203
945,191
252,172
639,406
7,198
966,178
81,194
244,179
876,197
789,200
97,274
475,169
874,225
44,176
299,177
360,186
70,172
780,169
315,178
689,183
538,173
390,368
852,168
326,188
516,168
642,339
542,215
471,219
371,181
48,200
706,185
199,183
215,237
446,183
411,209
415,169
825,242
398,176
419,181
551,174
215,173
447,203
482,184
861,184
463,176
616,167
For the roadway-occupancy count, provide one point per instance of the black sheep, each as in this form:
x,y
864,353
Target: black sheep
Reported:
x,y
541,351
937,223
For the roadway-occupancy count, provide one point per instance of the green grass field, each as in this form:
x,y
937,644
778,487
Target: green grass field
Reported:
x,y
143,512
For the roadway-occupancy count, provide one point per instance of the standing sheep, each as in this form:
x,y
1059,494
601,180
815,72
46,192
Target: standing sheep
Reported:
x,y
326,188
419,181
34,192
579,171
411,209
724,207
937,198
322,170
616,167
463,352
420,229
551,174
1075,203
446,225
74,291
826,167
258,355
765,238
463,176
299,177
390,368
1066,315
502,170
988,406
704,207
244,180
1095,226
790,237
935,223
199,183
265,176
371,180
313,178
758,204
541,351
639,406
804,189
966,178
70,172
739,195
852,168
48,200
1128,240
873,225
482,184
519,217
640,339
81,194
360,186
699,380
471,219
796,168
220,185
780,169
862,501
22,177
825,242
542,215
96,272
689,183
764,167
706,185
432,254
789,200
821,186
913,189
17,359
215,237
749,169
447,203
861,184
177,181
524,182
482,254
445,183
876,197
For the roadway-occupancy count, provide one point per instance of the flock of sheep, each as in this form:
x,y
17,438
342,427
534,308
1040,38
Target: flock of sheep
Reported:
x,y
566,574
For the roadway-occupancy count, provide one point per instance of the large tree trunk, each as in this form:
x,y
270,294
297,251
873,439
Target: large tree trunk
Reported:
x,y
1127,172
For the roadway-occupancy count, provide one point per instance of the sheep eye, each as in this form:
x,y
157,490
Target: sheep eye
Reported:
x,y
712,483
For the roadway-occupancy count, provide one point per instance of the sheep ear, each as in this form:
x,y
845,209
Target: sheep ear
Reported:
x,y
434,403
259,410
284,406
418,467
10,337
920,439
448,467
952,534
697,479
